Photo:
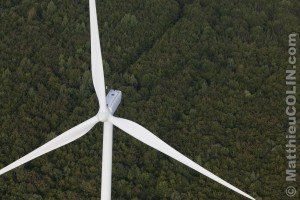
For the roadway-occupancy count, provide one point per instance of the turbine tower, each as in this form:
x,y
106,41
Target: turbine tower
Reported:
x,y
108,104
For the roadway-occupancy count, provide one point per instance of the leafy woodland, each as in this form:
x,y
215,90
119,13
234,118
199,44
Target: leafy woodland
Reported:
x,y
207,77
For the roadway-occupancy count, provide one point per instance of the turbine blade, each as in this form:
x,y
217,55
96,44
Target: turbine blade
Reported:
x,y
145,136
96,57
61,140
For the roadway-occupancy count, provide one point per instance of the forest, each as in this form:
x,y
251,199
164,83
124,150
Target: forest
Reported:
x,y
207,77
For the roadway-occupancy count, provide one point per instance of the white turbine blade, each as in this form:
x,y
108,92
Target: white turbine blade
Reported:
x,y
96,60
61,140
145,136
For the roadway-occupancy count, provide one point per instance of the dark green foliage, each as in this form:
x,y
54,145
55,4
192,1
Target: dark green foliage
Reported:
x,y
205,76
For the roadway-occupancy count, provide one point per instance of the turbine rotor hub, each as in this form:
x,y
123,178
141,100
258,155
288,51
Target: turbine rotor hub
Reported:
x,y
103,116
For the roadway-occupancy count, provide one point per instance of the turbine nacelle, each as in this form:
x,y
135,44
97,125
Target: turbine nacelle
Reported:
x,y
113,100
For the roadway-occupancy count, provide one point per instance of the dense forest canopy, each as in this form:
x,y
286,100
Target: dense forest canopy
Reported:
x,y
207,77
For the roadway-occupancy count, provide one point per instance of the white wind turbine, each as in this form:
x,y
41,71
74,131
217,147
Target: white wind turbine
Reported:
x,y
108,105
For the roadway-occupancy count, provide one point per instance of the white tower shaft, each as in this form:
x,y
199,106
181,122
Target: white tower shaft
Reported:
x,y
107,161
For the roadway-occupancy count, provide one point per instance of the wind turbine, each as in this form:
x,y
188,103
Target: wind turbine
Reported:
x,y
108,104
